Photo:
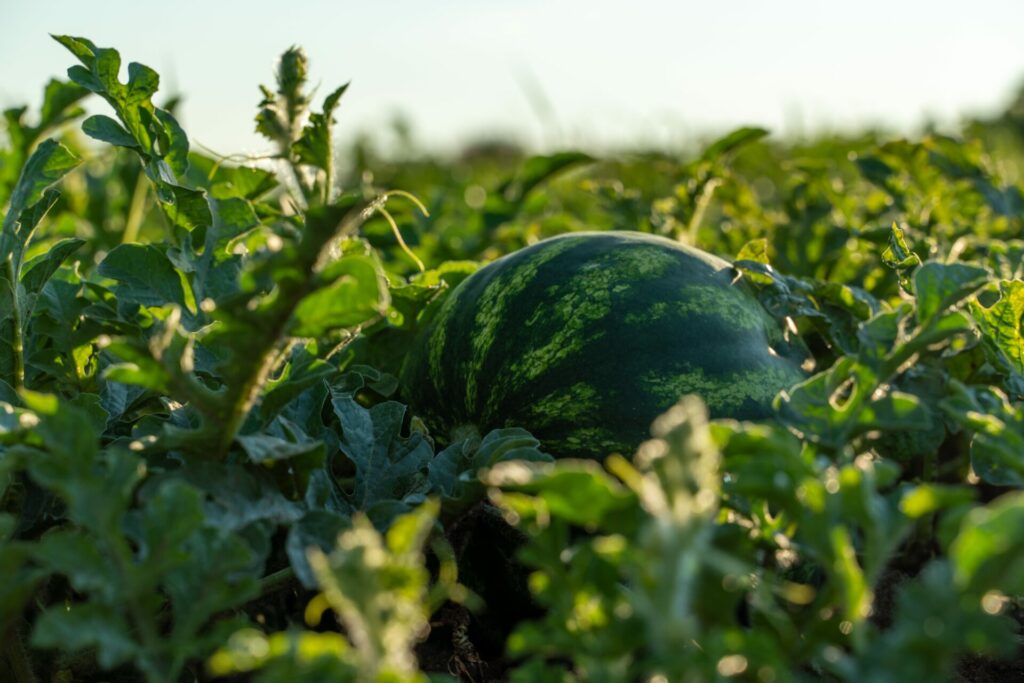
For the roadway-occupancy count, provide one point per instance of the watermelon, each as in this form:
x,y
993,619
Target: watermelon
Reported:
x,y
585,338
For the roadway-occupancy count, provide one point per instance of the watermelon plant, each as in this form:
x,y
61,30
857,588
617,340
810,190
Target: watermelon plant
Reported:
x,y
235,397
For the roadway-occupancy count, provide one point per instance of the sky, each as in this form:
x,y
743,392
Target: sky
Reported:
x,y
548,73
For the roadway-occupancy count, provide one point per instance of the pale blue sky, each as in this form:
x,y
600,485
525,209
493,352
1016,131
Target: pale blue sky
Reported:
x,y
613,72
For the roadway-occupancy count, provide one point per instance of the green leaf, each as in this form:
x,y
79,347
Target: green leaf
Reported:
x,y
266,449
754,251
426,291
286,657
996,456
170,515
84,78
223,181
65,430
49,163
82,48
936,622
17,235
453,472
997,447
854,300
95,488
185,207
379,588
147,373
86,626
214,572
988,554
895,411
21,579
577,491
875,170
143,83
899,256
356,295
732,142
38,271
1000,323
232,217
938,286
510,196
175,155
826,408
316,529
408,535
58,98
77,556
315,146
388,465
106,129
926,499
684,463
303,370
538,169
856,597
153,133
240,496
144,274
106,67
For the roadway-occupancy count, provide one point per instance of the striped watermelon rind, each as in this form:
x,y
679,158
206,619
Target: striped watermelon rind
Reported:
x,y
585,338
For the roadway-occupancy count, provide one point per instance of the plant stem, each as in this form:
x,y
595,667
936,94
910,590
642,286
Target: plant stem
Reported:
x,y
272,339
243,400
136,210
122,556
17,340
12,653
265,344
272,582
904,353
703,202
329,170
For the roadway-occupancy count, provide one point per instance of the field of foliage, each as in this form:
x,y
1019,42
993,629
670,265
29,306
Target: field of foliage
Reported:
x,y
208,471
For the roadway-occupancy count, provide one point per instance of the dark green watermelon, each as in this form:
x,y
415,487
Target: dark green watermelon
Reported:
x,y
585,338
